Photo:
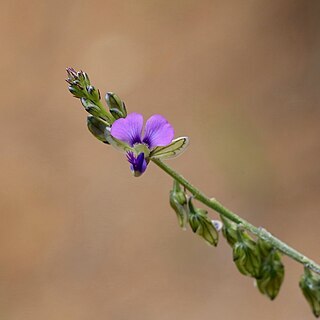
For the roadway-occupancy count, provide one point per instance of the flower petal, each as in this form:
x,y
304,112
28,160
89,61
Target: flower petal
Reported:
x,y
117,144
158,132
128,129
138,164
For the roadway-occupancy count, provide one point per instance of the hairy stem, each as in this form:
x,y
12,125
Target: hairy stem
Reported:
x,y
258,231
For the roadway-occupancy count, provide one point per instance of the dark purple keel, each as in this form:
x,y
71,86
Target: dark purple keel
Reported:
x,y
138,165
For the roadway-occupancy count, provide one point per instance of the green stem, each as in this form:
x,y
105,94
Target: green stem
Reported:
x,y
258,231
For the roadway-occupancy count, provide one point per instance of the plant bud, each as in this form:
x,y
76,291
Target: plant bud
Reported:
x,y
98,128
229,231
116,105
83,78
76,91
80,85
178,202
93,93
246,255
72,74
265,248
86,78
90,107
202,225
271,274
310,286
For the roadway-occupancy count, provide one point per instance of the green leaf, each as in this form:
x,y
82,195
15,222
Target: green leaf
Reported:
x,y
174,149
310,286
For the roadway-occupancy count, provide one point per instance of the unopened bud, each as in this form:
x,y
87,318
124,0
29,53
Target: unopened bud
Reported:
x,y
265,248
178,202
90,107
202,225
80,85
229,231
116,105
310,286
76,91
246,255
98,128
82,78
272,270
72,74
93,93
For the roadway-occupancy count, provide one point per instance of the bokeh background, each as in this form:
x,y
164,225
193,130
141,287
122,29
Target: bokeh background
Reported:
x,y
80,237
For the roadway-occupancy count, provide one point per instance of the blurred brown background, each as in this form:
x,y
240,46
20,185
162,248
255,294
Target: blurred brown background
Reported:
x,y
80,237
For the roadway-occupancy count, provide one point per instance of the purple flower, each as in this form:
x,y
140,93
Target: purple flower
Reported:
x,y
141,141
157,132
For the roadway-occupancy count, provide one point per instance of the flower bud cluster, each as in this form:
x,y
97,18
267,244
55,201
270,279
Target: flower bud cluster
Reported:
x,y
99,119
80,86
197,218
257,259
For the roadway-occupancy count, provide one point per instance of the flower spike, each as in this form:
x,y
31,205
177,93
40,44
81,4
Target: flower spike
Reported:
x,y
256,252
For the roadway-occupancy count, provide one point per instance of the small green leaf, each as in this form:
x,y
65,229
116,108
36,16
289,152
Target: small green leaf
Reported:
x,y
310,286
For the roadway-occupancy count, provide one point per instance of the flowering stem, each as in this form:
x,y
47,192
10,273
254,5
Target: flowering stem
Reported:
x,y
258,231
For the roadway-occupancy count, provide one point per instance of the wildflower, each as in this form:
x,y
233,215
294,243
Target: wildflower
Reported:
x,y
141,144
